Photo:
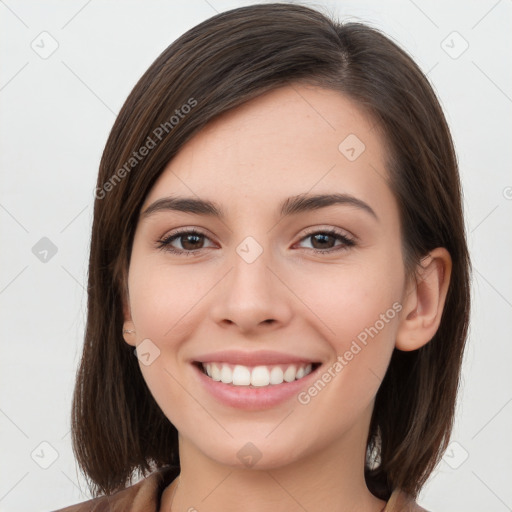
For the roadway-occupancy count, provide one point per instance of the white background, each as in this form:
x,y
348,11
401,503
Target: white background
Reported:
x,y
56,113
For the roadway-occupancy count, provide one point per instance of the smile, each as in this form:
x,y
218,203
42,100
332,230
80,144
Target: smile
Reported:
x,y
256,376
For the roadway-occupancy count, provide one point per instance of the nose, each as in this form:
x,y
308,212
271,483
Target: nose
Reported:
x,y
252,296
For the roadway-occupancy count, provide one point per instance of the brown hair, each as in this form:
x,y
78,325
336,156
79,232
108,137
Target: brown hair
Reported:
x,y
117,426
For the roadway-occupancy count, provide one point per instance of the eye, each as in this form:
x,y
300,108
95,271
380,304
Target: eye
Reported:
x,y
191,242
324,241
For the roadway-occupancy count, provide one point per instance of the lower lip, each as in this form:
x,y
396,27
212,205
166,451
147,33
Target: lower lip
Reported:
x,y
243,397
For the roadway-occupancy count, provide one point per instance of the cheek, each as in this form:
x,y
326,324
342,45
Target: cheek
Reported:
x,y
161,295
362,314
359,308
161,298
350,300
362,320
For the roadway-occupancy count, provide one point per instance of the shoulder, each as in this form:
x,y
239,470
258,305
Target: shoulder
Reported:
x,y
402,502
144,496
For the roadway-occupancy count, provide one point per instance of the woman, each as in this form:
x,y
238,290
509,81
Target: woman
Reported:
x,y
278,237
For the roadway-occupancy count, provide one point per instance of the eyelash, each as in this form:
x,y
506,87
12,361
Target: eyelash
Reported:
x,y
165,243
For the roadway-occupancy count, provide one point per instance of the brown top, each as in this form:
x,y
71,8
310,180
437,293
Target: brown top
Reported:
x,y
145,496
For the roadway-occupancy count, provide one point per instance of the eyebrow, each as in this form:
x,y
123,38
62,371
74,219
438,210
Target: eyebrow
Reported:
x,y
291,206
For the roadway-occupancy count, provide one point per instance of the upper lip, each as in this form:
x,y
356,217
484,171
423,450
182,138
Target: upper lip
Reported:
x,y
253,358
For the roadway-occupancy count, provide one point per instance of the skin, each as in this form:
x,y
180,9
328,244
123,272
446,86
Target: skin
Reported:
x,y
248,161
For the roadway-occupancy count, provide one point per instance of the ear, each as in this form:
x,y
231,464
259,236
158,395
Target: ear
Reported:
x,y
129,333
424,300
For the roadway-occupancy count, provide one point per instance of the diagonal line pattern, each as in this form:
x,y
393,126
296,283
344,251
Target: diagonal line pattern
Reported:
x,y
494,288
73,277
5,495
74,218
497,497
482,428
286,491
217,486
384,179
485,218
486,14
432,68
76,14
13,13
206,1
88,87
280,423
75,485
491,80
424,14
14,218
14,76
13,279
14,423
380,379
312,107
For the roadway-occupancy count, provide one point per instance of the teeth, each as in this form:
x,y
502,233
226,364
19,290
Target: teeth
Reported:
x,y
241,376
214,371
289,374
260,376
257,376
226,375
276,375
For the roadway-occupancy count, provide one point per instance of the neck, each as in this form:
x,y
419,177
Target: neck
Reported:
x,y
328,479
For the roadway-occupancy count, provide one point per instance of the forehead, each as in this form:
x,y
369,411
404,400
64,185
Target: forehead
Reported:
x,y
293,140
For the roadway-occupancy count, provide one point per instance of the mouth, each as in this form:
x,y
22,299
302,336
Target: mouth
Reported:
x,y
260,376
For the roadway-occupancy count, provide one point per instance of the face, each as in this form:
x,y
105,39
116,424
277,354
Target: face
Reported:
x,y
266,287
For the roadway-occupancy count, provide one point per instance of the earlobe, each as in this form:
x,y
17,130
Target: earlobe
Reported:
x,y
129,334
128,325
424,301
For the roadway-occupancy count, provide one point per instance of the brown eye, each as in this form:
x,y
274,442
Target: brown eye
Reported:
x,y
323,241
328,241
188,242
